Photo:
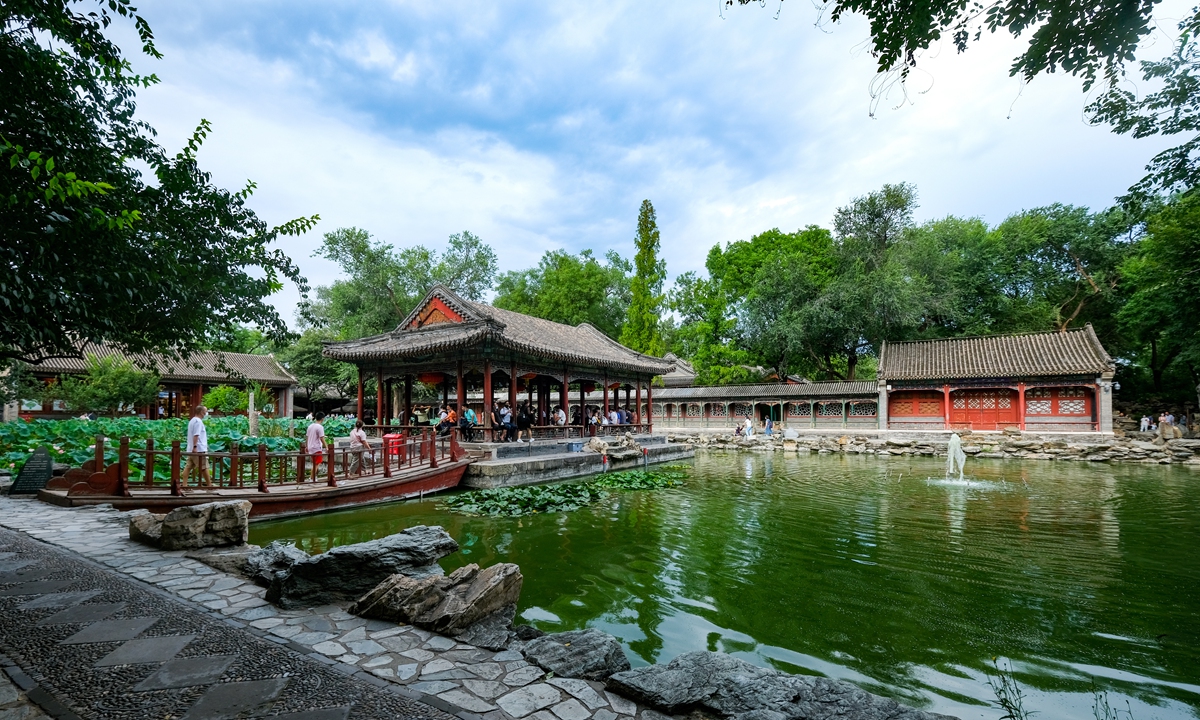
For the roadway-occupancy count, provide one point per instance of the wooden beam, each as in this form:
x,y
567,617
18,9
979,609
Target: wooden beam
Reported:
x,y
408,380
378,397
487,393
460,390
360,394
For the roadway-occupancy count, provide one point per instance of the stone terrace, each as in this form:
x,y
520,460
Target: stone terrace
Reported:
x,y
461,679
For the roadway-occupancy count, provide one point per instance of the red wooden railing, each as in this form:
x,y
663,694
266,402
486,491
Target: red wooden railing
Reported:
x,y
259,469
494,434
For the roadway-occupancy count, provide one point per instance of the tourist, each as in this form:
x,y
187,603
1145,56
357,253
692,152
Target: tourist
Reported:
x,y
506,420
467,424
1145,426
524,420
358,445
749,427
197,446
560,417
315,441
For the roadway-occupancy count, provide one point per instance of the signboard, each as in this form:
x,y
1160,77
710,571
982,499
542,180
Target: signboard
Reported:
x,y
34,475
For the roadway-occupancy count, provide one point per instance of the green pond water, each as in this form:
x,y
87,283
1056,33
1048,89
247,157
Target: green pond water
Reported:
x,y
870,570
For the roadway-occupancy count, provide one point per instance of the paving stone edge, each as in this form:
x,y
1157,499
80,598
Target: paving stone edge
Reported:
x,y
58,710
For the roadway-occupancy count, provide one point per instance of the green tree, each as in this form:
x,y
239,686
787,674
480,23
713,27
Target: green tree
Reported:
x,y
226,399
383,284
94,251
317,374
111,385
570,289
641,330
1163,273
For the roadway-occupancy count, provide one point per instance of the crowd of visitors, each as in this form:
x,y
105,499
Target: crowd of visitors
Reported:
x,y
1166,425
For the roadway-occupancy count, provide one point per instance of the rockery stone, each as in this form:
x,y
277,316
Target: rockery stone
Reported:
x,y
277,557
216,524
349,571
448,605
588,654
726,687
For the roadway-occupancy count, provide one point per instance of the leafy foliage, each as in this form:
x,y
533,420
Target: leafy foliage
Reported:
x,y
571,289
642,331
92,251
226,399
314,372
565,497
385,284
73,441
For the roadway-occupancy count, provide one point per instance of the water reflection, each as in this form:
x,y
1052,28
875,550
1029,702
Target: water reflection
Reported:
x,y
861,569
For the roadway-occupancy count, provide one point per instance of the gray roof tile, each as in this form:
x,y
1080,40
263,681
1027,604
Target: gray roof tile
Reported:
x,y
1072,352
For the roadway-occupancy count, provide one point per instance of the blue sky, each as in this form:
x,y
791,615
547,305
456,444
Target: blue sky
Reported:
x,y
542,125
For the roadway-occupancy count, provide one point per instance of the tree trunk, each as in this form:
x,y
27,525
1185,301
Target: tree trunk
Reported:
x,y
851,365
1155,371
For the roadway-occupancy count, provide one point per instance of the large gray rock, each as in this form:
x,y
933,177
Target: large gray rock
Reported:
x,y
213,524
447,605
588,654
145,527
277,557
726,687
494,632
349,571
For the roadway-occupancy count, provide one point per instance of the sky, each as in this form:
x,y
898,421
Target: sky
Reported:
x,y
543,125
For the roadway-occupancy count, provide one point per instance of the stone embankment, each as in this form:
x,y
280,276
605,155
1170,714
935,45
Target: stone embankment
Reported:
x,y
1024,446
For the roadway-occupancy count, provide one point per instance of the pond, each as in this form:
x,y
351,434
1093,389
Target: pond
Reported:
x,y
870,570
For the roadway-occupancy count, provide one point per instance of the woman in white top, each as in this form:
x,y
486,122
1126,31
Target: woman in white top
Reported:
x,y
749,427
358,445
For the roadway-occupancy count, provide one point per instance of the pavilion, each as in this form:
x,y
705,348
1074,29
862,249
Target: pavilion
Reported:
x,y
448,339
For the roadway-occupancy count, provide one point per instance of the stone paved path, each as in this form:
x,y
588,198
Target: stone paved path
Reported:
x,y
461,679
89,643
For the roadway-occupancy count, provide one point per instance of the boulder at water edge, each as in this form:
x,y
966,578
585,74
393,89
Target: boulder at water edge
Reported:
x,y
277,557
472,601
726,687
588,654
216,524
349,571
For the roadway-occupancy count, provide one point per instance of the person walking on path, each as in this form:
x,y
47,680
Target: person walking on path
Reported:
x,y
524,420
358,446
197,447
314,441
749,427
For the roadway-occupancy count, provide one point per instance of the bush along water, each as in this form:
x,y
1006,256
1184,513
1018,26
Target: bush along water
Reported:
x,y
73,442
514,502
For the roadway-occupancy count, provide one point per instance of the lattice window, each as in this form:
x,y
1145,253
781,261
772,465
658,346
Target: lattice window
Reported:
x,y
1004,402
829,409
716,410
1072,392
902,408
693,410
799,410
1037,393
930,407
1071,407
960,403
1037,407
863,409
989,402
658,410
973,402
741,409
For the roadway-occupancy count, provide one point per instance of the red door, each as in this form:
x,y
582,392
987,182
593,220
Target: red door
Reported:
x,y
983,409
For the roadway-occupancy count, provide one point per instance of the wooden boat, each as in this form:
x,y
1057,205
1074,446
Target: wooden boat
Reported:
x,y
399,466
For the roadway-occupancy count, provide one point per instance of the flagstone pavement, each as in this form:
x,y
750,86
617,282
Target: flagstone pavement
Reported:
x,y
132,631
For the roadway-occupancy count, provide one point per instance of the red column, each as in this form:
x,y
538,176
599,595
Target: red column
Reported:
x,y
407,400
650,408
1021,405
562,396
379,397
606,395
637,409
460,391
512,389
946,405
487,393
360,394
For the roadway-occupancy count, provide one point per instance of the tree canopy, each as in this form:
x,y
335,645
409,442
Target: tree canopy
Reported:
x,y
571,289
642,330
384,284
94,251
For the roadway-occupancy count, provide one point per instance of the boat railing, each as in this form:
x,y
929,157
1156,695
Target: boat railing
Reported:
x,y
151,467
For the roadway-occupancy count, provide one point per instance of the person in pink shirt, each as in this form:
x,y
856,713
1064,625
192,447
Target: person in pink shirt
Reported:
x,y
315,441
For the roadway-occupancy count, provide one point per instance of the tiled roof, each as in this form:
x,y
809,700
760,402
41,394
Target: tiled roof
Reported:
x,y
201,367
579,345
771,391
1073,352
683,375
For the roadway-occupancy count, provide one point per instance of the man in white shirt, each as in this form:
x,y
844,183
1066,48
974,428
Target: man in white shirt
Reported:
x,y
197,446
560,417
314,441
